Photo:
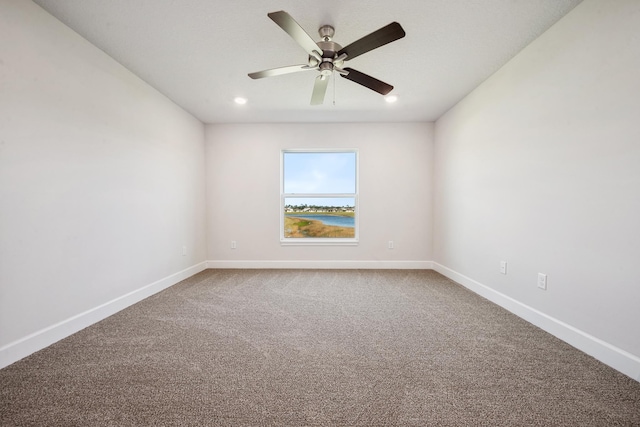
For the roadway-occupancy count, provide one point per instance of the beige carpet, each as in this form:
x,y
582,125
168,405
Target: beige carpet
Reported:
x,y
315,348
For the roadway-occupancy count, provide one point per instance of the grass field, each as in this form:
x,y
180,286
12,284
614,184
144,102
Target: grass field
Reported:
x,y
298,227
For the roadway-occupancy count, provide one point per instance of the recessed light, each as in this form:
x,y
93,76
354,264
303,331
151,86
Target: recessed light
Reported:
x,y
240,100
391,98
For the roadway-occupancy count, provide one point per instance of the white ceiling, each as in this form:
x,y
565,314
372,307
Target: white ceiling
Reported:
x,y
198,52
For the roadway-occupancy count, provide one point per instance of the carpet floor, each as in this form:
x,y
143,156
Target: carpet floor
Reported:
x,y
315,348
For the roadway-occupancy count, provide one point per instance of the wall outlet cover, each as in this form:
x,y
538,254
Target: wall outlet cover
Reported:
x,y
542,281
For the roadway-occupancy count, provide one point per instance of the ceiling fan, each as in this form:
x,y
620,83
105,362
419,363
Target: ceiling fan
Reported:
x,y
328,56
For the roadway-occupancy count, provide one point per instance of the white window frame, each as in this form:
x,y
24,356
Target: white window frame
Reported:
x,y
318,241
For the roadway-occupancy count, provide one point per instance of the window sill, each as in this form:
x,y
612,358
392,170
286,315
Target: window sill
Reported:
x,y
318,242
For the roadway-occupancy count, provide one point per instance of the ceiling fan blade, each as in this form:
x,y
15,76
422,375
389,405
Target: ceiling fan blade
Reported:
x,y
319,89
384,35
291,27
279,71
367,81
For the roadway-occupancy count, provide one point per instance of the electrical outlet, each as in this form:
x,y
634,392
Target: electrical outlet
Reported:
x,y
390,246
503,267
184,251
542,281
233,244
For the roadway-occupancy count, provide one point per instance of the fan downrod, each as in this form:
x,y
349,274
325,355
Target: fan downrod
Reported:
x,y
326,33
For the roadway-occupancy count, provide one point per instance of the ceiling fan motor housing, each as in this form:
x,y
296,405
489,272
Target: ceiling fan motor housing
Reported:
x,y
329,53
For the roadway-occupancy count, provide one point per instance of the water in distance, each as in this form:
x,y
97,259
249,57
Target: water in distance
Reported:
x,y
338,220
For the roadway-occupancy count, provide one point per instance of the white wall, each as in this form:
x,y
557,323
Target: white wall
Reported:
x,y
540,166
243,187
101,183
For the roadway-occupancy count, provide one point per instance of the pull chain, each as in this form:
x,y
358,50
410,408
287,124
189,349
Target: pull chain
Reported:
x,y
334,89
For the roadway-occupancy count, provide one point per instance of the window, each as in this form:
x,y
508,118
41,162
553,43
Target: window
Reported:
x,y
319,197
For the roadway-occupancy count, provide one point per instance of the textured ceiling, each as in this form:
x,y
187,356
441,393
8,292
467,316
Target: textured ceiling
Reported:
x,y
198,52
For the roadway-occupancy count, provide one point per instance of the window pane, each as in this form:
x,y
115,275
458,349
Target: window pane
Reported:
x,y
319,217
309,173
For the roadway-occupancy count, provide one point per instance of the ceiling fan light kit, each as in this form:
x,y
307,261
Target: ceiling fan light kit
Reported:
x,y
327,56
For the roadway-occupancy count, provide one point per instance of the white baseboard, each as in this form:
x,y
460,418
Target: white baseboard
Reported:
x,y
23,347
608,354
615,357
323,264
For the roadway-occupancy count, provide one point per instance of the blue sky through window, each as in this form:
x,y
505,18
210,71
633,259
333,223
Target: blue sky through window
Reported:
x,y
320,173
